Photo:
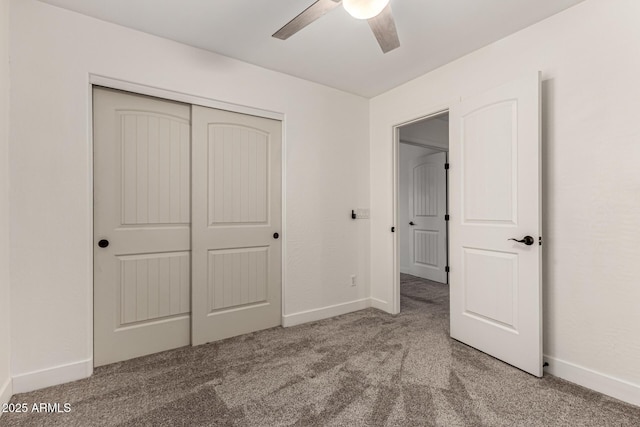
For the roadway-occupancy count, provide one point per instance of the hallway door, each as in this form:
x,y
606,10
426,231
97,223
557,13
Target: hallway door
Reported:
x,y
427,210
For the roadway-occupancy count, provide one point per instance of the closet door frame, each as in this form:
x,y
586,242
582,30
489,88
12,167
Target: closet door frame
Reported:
x,y
136,88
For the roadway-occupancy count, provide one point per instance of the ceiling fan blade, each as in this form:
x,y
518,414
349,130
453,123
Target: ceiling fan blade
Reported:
x,y
384,28
310,14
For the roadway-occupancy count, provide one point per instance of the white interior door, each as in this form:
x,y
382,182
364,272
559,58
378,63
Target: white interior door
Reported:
x,y
427,209
495,196
236,224
142,211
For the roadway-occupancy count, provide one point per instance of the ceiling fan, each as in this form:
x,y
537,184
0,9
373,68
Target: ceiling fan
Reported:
x,y
376,12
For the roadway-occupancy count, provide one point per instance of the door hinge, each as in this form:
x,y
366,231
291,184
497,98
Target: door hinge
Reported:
x,y
446,217
446,165
446,269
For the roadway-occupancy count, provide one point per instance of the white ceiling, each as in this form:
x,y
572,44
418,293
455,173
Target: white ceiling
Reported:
x,y
337,50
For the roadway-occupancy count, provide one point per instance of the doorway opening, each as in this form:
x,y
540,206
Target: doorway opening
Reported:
x,y
422,204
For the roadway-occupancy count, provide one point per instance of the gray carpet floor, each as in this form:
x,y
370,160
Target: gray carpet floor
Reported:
x,y
361,369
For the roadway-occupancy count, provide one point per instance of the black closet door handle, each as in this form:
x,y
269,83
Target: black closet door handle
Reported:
x,y
411,223
103,243
276,235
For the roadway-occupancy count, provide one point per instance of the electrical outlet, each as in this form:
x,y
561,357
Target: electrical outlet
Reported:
x,y
362,213
353,280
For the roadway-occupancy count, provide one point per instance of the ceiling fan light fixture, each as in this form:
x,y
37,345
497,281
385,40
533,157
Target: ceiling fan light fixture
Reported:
x,y
364,9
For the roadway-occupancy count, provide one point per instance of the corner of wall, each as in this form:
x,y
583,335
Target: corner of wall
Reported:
x,y
381,305
6,391
6,385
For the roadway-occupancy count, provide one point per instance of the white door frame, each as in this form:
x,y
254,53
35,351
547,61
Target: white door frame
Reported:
x,y
118,84
395,294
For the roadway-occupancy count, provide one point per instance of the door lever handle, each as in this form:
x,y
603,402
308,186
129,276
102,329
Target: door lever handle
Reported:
x,y
411,223
527,240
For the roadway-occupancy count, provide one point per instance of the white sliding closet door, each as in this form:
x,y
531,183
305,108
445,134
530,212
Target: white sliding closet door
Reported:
x,y
236,246
142,264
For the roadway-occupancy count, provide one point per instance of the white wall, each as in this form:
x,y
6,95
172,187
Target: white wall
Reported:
x,y
53,51
406,155
590,61
5,340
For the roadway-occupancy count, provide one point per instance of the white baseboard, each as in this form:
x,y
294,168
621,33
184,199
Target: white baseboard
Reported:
x,y
325,312
380,305
605,384
52,376
6,391
405,270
